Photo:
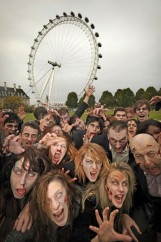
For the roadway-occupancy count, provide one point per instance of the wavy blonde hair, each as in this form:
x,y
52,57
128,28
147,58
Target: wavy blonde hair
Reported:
x,y
99,189
97,153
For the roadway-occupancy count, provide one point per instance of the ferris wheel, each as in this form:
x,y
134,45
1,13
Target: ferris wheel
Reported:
x,y
64,58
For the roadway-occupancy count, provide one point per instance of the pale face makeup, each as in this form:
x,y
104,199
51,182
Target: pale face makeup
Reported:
x,y
118,140
93,129
58,150
58,203
29,136
22,180
142,113
91,168
10,128
45,122
132,127
117,188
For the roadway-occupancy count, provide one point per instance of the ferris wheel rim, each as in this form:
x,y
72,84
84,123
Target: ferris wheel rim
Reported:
x,y
43,33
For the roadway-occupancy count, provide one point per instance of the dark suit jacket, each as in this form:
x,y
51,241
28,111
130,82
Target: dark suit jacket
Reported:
x,y
146,209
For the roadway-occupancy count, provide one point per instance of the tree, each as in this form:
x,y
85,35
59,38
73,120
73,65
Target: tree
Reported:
x,y
91,101
150,92
107,99
118,97
139,94
72,100
159,92
12,102
128,98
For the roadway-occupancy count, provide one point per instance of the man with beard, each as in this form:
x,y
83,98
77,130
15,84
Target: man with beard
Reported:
x,y
116,142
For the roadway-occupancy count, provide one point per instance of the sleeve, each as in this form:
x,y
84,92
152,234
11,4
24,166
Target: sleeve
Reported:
x,y
20,237
81,231
78,113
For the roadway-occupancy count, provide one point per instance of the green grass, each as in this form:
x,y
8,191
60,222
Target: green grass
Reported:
x,y
153,114
29,117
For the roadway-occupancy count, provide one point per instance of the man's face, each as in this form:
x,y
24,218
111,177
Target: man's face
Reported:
x,y
118,140
10,128
22,180
121,115
91,168
146,153
56,129
65,118
142,113
93,129
117,188
29,136
45,122
58,150
58,203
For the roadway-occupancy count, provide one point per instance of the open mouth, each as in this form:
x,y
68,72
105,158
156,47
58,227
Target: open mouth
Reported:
x,y
56,157
119,199
59,216
142,117
21,192
93,174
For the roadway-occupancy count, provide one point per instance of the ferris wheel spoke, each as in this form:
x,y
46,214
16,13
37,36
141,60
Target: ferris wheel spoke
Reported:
x,y
63,58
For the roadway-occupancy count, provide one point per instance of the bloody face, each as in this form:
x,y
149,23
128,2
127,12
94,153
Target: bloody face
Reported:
x,y
91,168
58,203
58,150
118,140
22,180
117,187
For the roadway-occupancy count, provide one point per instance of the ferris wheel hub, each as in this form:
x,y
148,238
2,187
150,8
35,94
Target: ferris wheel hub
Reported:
x,y
54,64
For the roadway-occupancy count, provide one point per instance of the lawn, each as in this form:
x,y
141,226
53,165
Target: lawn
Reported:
x,y
153,114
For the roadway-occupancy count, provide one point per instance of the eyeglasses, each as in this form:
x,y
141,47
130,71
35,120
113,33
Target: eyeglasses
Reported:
x,y
122,141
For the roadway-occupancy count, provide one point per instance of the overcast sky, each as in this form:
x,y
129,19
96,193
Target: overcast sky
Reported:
x,y
130,33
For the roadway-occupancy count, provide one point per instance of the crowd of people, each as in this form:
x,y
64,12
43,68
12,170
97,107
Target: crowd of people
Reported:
x,y
63,179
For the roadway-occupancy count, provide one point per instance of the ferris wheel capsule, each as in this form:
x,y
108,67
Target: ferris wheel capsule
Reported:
x,y
63,58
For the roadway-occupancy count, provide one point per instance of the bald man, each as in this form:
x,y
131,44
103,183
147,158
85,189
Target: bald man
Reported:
x,y
147,199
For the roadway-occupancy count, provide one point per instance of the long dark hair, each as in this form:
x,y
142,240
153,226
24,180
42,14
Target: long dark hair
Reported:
x,y
37,163
39,206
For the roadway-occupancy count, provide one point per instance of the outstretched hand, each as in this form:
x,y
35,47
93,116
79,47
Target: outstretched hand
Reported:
x,y
155,99
3,118
105,231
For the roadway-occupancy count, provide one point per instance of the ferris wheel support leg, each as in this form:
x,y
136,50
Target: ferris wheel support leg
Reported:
x,y
46,82
50,87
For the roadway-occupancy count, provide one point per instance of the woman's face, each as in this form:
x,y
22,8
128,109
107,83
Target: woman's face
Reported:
x,y
117,187
58,203
22,180
91,168
58,151
132,127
